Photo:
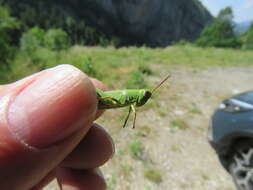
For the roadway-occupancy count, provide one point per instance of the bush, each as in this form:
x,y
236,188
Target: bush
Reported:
x,y
103,41
182,42
88,67
32,40
85,64
35,38
145,69
136,80
56,39
43,57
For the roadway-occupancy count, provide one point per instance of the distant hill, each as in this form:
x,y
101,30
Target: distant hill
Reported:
x,y
135,22
242,26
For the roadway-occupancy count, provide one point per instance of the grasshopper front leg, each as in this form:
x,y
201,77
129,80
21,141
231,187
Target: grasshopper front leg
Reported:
x,y
135,114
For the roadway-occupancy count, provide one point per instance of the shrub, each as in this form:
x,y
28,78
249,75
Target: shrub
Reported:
x,y
182,42
43,57
85,64
53,39
56,39
103,41
32,40
136,80
88,67
145,69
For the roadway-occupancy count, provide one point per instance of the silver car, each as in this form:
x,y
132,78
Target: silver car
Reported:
x,y
231,135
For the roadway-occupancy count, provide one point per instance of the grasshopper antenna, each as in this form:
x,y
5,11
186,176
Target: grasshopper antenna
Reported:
x,y
154,89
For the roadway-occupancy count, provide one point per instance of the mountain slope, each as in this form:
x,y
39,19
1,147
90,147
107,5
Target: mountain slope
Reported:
x,y
150,22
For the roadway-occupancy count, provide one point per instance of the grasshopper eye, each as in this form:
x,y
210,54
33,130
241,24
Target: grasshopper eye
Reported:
x,y
147,94
144,98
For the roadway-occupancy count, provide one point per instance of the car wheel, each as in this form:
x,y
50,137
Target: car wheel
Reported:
x,y
241,165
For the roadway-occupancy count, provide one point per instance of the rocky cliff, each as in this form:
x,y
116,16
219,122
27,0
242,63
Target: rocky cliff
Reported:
x,y
135,22
151,22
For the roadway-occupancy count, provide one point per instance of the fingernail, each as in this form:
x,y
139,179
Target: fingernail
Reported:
x,y
51,108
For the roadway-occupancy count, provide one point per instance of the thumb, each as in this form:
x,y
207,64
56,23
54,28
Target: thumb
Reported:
x,y
42,118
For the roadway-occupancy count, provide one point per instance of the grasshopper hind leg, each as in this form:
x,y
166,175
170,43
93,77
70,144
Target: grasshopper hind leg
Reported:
x,y
131,108
129,112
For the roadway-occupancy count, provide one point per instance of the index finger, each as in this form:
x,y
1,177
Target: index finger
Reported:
x,y
101,86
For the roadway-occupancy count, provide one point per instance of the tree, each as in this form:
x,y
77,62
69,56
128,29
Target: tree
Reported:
x,y
66,15
221,32
248,40
226,14
7,23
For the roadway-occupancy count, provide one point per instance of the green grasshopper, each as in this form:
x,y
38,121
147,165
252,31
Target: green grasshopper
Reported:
x,y
128,97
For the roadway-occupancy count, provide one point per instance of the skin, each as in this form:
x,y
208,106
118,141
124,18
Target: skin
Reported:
x,y
47,131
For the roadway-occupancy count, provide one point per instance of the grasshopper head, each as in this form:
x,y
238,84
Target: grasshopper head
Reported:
x,y
144,97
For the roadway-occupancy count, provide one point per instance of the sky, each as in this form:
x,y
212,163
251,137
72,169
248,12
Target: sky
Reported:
x,y
243,9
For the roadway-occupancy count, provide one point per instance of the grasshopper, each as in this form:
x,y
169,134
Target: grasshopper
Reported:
x,y
123,98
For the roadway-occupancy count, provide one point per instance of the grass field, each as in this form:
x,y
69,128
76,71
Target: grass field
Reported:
x,y
115,66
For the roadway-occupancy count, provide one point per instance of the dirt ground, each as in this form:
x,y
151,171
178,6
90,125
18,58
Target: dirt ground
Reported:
x,y
169,147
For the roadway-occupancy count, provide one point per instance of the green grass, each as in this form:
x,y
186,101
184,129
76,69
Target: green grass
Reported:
x,y
179,124
113,66
136,81
136,150
126,169
175,148
195,110
153,175
145,69
111,182
147,188
205,177
143,131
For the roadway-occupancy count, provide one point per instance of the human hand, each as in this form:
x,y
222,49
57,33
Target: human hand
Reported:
x,y
47,132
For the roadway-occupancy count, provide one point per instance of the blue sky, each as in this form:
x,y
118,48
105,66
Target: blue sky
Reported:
x,y
243,9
